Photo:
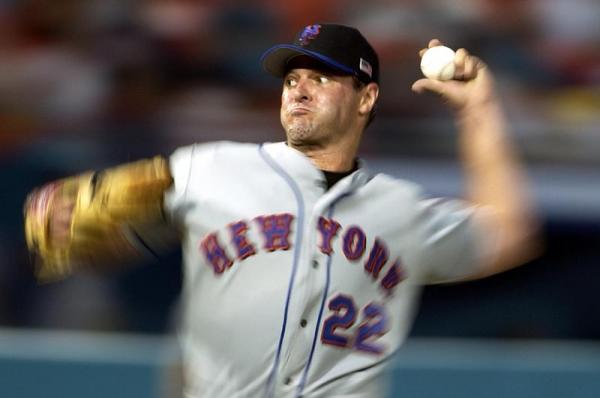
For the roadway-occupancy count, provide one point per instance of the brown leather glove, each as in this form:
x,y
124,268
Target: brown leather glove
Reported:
x,y
110,209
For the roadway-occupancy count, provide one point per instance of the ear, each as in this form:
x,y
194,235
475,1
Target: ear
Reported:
x,y
369,98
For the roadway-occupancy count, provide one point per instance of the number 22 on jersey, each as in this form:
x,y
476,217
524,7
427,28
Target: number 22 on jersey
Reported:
x,y
336,328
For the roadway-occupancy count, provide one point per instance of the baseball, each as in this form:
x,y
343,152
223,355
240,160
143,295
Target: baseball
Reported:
x,y
438,63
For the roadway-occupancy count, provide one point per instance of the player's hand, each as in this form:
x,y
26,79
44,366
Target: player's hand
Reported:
x,y
57,208
472,86
61,217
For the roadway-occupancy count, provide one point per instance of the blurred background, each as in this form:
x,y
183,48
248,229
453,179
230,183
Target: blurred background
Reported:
x,y
87,84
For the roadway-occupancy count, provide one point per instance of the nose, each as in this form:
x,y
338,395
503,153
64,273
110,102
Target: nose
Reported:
x,y
301,91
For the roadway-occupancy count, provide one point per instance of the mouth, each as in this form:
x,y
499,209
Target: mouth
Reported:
x,y
299,111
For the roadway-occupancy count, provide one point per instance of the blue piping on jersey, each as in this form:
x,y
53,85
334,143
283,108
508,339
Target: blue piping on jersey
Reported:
x,y
323,299
298,245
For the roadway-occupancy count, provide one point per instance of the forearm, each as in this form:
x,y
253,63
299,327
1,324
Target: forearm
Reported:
x,y
496,182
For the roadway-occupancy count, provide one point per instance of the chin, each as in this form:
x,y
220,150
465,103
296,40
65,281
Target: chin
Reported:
x,y
299,133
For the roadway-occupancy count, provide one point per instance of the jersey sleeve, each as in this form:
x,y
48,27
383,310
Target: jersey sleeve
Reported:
x,y
182,163
452,245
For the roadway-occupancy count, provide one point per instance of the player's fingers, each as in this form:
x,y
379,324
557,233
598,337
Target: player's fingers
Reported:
x,y
459,63
63,211
434,43
476,65
60,221
59,234
63,202
435,86
470,69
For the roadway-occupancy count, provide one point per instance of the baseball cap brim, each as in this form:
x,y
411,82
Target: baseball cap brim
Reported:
x,y
276,58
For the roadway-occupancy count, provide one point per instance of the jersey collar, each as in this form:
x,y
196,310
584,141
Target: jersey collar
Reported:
x,y
300,167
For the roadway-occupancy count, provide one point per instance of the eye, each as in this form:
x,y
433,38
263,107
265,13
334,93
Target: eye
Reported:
x,y
323,79
290,81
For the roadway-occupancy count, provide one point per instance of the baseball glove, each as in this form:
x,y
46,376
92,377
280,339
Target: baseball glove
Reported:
x,y
112,209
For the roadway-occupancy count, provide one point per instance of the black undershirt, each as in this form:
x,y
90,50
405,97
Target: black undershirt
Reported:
x,y
332,177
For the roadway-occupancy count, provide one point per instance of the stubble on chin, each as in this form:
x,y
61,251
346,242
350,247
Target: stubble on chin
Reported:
x,y
299,132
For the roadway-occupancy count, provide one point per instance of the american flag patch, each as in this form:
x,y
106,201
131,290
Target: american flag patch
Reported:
x,y
365,66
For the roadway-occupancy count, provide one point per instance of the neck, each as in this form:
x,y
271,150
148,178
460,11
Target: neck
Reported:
x,y
337,157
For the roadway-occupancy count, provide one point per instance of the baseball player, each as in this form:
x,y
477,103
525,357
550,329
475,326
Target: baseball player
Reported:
x,y
302,268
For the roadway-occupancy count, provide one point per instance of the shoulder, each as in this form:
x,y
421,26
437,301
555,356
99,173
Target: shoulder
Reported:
x,y
396,186
211,154
429,211
205,158
198,150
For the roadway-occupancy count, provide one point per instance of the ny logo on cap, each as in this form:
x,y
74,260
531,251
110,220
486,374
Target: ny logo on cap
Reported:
x,y
309,33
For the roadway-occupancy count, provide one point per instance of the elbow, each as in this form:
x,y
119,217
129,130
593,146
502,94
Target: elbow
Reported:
x,y
512,243
527,246
518,246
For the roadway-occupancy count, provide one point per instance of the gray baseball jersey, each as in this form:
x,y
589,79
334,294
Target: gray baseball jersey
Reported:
x,y
294,290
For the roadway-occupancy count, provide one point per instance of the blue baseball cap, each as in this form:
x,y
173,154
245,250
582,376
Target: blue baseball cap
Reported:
x,y
341,48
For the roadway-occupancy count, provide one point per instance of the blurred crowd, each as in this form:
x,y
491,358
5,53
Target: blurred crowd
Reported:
x,y
91,83
159,73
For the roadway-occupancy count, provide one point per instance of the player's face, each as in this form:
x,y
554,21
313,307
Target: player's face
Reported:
x,y
318,107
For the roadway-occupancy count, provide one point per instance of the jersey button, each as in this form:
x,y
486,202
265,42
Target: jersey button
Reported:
x,y
288,381
315,264
303,323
